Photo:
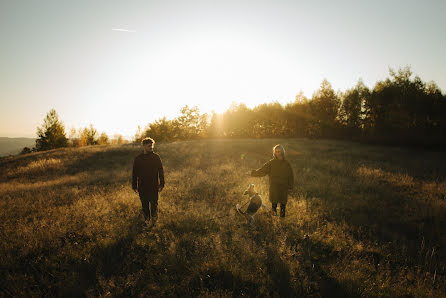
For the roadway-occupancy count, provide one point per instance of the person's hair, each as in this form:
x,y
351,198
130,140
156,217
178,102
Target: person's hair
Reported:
x,y
148,141
278,146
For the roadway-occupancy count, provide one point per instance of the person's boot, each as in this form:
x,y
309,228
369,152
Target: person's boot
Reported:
x,y
274,208
282,210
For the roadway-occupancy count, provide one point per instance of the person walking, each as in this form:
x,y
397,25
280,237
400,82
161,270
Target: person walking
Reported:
x,y
281,178
148,180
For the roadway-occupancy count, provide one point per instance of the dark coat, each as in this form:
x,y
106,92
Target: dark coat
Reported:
x,y
147,173
281,179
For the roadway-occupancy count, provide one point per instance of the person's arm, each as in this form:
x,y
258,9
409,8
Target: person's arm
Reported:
x,y
290,177
263,171
161,175
134,177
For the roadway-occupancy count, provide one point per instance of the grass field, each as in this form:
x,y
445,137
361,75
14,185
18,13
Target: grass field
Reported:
x,y
361,221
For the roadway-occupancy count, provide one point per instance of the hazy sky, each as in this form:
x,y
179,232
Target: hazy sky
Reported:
x,y
120,64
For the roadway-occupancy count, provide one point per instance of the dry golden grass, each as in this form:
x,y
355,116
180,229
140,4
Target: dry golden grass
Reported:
x,y
361,221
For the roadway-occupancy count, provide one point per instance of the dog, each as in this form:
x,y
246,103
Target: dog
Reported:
x,y
255,202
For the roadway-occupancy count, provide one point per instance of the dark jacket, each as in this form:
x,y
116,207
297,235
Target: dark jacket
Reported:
x,y
281,179
147,169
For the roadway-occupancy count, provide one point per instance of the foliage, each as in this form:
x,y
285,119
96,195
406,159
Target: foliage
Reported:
x,y
324,108
189,125
74,138
398,110
89,136
51,134
298,116
404,107
118,140
215,129
26,150
103,139
352,114
237,121
162,130
268,120
138,136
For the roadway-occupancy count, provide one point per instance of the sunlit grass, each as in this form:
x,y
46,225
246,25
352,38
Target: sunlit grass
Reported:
x,y
361,221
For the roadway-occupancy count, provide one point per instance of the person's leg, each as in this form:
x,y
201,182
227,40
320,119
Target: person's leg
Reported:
x,y
154,204
273,197
145,206
282,197
274,207
282,209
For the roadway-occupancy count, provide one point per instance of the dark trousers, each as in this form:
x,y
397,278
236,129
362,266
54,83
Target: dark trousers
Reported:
x,y
282,209
149,202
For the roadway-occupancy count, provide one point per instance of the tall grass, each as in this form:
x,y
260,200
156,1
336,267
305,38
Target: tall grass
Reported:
x,y
361,221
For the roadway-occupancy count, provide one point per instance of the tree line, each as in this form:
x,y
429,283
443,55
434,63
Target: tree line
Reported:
x,y
52,135
399,110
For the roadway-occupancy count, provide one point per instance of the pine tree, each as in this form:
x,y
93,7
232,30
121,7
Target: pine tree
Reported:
x,y
52,133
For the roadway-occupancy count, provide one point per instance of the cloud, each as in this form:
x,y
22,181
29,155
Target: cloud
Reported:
x,y
123,30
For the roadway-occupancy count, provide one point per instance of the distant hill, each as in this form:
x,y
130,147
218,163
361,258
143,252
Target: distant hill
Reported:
x,y
15,145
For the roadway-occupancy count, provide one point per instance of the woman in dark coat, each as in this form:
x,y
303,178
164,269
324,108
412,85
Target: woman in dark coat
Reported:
x,y
281,178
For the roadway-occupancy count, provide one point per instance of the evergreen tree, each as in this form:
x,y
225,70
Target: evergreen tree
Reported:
x,y
52,133
352,112
324,108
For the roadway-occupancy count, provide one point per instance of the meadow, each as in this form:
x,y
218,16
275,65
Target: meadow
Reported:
x,y
362,220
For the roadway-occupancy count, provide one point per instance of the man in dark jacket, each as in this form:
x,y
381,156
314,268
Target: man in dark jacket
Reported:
x,y
281,178
148,179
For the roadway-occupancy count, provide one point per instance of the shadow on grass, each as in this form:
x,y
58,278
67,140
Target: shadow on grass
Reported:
x,y
394,216
388,205
392,213
279,273
314,255
114,259
309,278
220,280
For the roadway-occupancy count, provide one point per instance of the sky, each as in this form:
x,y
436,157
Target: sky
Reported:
x,y
120,64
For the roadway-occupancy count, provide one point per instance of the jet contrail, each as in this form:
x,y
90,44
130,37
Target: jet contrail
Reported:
x,y
123,30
